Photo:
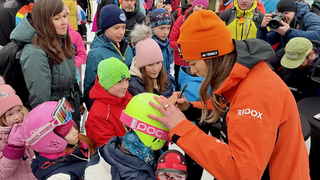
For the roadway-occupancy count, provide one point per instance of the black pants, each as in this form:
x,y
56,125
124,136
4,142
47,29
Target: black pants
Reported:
x,y
82,29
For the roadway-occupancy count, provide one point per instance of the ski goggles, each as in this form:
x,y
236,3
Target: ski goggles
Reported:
x,y
62,114
171,176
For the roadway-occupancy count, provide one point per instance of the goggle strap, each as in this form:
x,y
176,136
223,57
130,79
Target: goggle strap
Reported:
x,y
143,127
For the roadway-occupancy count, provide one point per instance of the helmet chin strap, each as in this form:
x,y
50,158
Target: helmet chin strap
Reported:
x,y
133,144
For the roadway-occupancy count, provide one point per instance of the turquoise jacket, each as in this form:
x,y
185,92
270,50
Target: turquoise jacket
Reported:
x,y
44,83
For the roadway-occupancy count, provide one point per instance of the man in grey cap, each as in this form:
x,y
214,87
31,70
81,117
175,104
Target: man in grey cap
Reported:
x,y
298,60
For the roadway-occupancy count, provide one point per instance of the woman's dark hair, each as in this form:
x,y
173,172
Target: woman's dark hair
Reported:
x,y
161,80
46,37
219,69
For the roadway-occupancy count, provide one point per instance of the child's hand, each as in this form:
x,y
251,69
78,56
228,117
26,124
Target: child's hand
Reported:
x,y
15,148
14,137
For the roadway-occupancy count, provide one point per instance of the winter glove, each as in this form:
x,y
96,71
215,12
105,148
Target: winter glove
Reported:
x,y
14,137
15,148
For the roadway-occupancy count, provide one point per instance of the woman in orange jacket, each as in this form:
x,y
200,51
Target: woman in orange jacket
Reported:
x,y
261,136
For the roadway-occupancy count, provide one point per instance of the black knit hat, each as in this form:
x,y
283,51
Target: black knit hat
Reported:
x,y
287,5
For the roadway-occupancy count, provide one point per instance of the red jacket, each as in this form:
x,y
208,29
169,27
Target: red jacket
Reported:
x,y
263,125
103,120
173,38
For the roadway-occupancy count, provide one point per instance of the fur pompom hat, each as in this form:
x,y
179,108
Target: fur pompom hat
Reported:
x,y
147,50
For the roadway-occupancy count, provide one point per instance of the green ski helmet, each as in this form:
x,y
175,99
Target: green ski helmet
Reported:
x,y
151,133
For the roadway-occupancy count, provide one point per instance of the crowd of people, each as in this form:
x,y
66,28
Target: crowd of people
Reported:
x,y
243,67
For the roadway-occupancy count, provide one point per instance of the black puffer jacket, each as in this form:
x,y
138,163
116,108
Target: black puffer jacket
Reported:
x,y
183,8
8,11
133,18
136,86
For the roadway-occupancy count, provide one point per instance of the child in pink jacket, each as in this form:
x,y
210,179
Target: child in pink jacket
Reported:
x,y
79,48
15,159
81,54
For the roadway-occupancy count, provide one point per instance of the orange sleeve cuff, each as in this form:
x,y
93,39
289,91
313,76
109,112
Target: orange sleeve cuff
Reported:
x,y
182,128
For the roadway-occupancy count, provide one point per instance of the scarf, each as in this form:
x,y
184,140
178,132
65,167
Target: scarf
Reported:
x,y
132,143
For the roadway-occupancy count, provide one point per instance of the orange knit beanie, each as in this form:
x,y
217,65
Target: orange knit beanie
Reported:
x,y
203,35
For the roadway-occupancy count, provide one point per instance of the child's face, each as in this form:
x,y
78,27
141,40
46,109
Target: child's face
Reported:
x,y
198,7
72,136
120,88
160,4
162,32
14,115
116,32
154,69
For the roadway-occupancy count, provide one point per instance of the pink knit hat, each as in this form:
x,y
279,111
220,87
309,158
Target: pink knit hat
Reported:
x,y
202,2
63,130
8,97
147,52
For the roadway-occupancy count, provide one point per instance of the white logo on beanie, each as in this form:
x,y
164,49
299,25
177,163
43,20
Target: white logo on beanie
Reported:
x,y
209,54
4,95
122,17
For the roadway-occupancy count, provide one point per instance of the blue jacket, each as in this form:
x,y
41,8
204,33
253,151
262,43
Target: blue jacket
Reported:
x,y
192,90
100,50
123,166
270,5
311,23
70,167
168,62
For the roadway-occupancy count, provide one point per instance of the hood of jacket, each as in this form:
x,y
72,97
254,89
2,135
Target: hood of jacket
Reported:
x,y
249,53
99,42
98,92
134,70
124,165
247,13
24,32
302,8
73,164
184,77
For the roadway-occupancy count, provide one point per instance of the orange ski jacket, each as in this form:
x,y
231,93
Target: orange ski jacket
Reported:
x,y
263,124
